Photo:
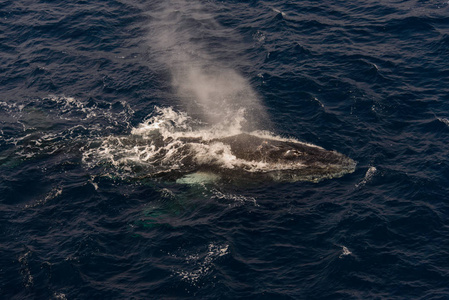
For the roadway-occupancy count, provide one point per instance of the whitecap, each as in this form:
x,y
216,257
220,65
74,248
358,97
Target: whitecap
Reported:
x,y
201,263
345,251
368,176
444,120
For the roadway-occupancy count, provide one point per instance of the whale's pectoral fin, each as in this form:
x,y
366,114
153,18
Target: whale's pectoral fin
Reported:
x,y
199,178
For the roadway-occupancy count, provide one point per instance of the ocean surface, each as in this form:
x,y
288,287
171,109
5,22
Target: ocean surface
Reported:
x,y
101,103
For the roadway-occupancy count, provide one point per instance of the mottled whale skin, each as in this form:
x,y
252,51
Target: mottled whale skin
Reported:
x,y
285,160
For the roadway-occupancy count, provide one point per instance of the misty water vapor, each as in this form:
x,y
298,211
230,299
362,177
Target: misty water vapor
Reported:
x,y
181,34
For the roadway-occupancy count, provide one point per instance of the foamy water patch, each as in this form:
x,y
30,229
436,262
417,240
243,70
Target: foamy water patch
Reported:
x,y
200,265
176,124
344,252
27,278
235,199
59,296
370,173
54,193
160,142
444,120
56,124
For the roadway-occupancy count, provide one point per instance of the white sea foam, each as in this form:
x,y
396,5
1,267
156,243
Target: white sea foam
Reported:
x,y
59,296
368,176
279,12
444,120
47,125
345,251
54,193
233,197
28,279
259,36
201,264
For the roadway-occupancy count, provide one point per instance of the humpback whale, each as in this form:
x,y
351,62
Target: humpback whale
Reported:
x,y
171,146
247,157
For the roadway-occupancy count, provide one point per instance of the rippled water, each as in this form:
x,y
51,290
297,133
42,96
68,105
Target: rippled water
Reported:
x,y
88,87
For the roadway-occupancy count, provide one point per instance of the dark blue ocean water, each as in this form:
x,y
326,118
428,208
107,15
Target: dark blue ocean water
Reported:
x,y
81,217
